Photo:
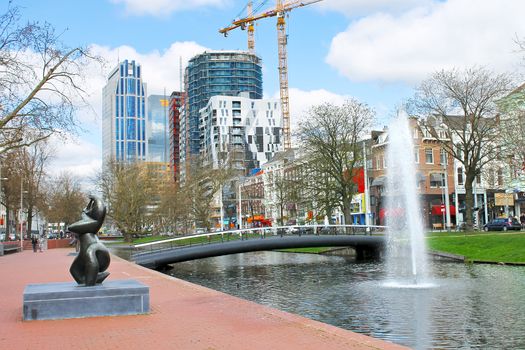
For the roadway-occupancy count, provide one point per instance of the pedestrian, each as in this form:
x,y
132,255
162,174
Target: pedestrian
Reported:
x,y
522,220
34,243
41,243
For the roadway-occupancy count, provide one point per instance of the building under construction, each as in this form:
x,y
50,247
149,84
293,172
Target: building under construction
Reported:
x,y
215,73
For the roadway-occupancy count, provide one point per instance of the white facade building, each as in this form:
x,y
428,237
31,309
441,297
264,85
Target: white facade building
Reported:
x,y
238,130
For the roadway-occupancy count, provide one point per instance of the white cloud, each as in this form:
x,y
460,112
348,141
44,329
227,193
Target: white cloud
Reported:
x,y
159,69
301,101
352,8
165,7
408,47
80,158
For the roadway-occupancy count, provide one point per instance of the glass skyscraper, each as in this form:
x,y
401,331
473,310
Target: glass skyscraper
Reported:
x,y
213,73
158,109
124,133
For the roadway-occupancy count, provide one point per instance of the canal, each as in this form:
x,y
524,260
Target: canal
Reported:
x,y
468,306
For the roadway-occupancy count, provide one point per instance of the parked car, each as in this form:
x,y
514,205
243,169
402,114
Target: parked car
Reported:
x,y
503,224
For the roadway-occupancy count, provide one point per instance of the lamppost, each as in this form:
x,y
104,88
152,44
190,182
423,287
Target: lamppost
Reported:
x,y
2,178
20,212
447,199
239,218
367,192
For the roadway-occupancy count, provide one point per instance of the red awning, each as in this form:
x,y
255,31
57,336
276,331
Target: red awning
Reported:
x,y
396,212
440,210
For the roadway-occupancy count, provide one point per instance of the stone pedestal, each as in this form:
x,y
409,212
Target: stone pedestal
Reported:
x,y
69,300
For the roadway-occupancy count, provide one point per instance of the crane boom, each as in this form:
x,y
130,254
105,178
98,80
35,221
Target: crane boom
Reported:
x,y
280,10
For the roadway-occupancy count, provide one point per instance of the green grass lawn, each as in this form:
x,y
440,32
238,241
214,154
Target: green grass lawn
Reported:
x,y
477,246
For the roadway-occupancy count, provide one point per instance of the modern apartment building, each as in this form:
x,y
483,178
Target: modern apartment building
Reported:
x,y
240,131
213,73
124,108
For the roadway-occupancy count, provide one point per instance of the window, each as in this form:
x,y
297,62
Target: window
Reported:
x,y
478,179
459,151
436,180
416,155
500,177
130,106
131,129
415,133
121,106
443,157
460,176
131,86
429,156
236,104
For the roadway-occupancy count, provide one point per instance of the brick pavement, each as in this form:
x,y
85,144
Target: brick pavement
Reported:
x,y
183,316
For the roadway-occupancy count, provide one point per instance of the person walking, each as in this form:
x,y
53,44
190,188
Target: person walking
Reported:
x,y
33,243
41,243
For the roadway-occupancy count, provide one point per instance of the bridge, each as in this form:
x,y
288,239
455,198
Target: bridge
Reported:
x,y
367,241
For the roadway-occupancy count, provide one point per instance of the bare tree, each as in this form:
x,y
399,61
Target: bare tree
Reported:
x,y
202,187
512,108
40,82
32,163
174,210
330,138
127,190
11,185
65,199
462,104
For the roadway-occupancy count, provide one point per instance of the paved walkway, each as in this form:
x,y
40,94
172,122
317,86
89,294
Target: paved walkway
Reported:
x,y
183,316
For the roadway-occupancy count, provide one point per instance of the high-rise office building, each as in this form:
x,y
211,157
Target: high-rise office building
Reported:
x,y
213,73
124,134
157,126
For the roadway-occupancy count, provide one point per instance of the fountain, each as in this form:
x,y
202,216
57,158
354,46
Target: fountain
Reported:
x,y
406,255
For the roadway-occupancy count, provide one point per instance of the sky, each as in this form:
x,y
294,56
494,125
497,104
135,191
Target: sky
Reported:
x,y
376,51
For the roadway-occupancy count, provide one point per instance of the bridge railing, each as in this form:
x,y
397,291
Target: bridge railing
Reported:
x,y
254,233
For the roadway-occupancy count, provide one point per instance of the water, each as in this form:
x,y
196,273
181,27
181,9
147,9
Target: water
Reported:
x,y
469,307
406,250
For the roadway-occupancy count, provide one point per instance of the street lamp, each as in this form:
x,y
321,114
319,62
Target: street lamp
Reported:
x,y
447,200
20,213
2,178
239,219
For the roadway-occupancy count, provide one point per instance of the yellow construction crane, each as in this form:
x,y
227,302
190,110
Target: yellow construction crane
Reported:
x,y
281,9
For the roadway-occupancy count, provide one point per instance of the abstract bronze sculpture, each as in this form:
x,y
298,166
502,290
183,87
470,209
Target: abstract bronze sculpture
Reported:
x,y
89,267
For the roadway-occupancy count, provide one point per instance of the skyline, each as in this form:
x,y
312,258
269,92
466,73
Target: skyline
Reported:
x,y
337,49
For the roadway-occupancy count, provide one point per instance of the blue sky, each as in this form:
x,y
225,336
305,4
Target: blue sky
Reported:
x,y
376,51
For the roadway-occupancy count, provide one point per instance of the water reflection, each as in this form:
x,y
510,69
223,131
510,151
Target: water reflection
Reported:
x,y
470,306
